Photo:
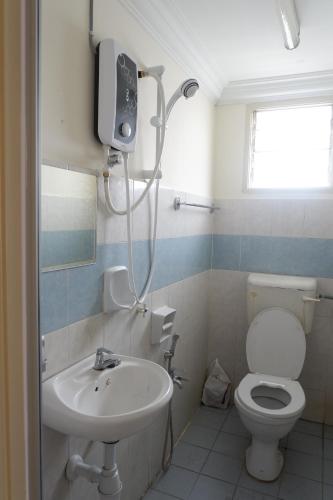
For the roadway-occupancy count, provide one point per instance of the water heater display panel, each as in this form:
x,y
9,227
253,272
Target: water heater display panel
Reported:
x,y
115,97
126,104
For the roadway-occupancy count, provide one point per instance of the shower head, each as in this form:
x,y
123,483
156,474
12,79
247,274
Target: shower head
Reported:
x,y
187,89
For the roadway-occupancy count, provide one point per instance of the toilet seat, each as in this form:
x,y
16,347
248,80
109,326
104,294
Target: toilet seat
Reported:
x,y
275,344
291,387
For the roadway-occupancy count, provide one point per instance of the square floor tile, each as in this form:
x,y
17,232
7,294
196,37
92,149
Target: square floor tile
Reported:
x,y
283,442
189,456
208,418
233,411
305,443
244,494
157,495
231,445
177,482
222,467
299,488
217,410
328,492
302,464
248,482
234,425
207,488
328,472
200,436
328,448
307,427
328,431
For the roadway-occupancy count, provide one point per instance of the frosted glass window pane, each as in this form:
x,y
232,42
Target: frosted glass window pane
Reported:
x,y
291,148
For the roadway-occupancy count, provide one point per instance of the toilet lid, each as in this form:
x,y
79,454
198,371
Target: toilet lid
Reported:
x,y
275,344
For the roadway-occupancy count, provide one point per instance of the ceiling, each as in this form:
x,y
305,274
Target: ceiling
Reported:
x,y
234,40
244,40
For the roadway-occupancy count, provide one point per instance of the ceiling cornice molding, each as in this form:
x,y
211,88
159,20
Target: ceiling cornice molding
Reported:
x,y
278,88
167,25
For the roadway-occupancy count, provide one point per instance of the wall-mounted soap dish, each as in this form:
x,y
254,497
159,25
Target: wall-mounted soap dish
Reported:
x,y
162,323
117,293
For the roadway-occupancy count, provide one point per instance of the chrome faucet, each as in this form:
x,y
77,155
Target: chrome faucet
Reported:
x,y
105,360
177,378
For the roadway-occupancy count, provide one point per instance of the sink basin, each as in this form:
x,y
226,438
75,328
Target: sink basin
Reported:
x,y
105,405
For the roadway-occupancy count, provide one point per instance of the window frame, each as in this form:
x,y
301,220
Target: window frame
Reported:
x,y
249,140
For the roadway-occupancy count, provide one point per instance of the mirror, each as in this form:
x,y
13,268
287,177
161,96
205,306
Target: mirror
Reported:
x,y
68,217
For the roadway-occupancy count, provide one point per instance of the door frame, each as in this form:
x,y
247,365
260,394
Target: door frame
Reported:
x,y
19,331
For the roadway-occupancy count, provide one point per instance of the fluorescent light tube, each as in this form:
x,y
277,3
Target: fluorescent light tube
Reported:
x,y
289,23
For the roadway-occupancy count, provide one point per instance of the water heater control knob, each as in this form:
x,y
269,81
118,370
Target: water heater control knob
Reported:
x,y
125,129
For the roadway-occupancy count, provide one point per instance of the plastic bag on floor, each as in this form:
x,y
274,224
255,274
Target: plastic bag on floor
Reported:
x,y
217,389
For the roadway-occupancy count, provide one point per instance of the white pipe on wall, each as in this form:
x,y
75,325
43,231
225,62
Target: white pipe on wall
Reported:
x,y
107,478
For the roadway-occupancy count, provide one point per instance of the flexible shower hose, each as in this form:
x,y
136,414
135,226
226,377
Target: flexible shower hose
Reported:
x,y
167,459
139,299
159,151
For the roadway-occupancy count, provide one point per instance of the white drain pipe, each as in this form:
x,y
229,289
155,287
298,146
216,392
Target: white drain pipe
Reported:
x,y
107,477
110,485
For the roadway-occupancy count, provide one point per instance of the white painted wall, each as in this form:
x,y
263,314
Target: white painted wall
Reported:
x,y
230,157
67,96
229,151
67,183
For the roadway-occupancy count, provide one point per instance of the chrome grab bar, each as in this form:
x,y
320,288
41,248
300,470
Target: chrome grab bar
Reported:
x,y
178,203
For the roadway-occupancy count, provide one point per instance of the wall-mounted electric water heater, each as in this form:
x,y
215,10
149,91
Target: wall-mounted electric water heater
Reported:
x,y
116,84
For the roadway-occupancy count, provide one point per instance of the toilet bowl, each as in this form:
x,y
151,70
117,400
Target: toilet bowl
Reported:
x,y
269,407
269,399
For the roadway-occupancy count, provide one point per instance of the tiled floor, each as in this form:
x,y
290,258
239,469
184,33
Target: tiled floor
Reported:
x,y
208,463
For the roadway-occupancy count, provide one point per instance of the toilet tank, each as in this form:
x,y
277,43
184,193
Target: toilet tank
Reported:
x,y
293,293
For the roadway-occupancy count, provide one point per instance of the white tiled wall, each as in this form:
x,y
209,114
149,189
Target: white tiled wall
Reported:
x,y
171,223
55,210
228,323
275,217
228,328
129,333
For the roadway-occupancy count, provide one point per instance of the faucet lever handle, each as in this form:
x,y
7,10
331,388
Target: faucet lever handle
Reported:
x,y
103,350
179,373
178,377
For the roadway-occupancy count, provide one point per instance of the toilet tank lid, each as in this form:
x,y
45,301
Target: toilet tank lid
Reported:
x,y
277,281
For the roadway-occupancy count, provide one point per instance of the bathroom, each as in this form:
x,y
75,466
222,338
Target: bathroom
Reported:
x,y
227,261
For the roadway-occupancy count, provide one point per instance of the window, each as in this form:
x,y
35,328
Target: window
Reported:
x,y
290,148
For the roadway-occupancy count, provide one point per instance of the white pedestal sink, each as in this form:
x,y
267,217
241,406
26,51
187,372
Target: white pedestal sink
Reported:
x,y
106,405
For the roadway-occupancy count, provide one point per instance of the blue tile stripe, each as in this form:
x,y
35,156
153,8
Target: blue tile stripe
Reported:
x,y
69,295
67,247
277,255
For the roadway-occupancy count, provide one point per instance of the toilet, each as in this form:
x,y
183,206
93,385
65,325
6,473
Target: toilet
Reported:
x,y
269,399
